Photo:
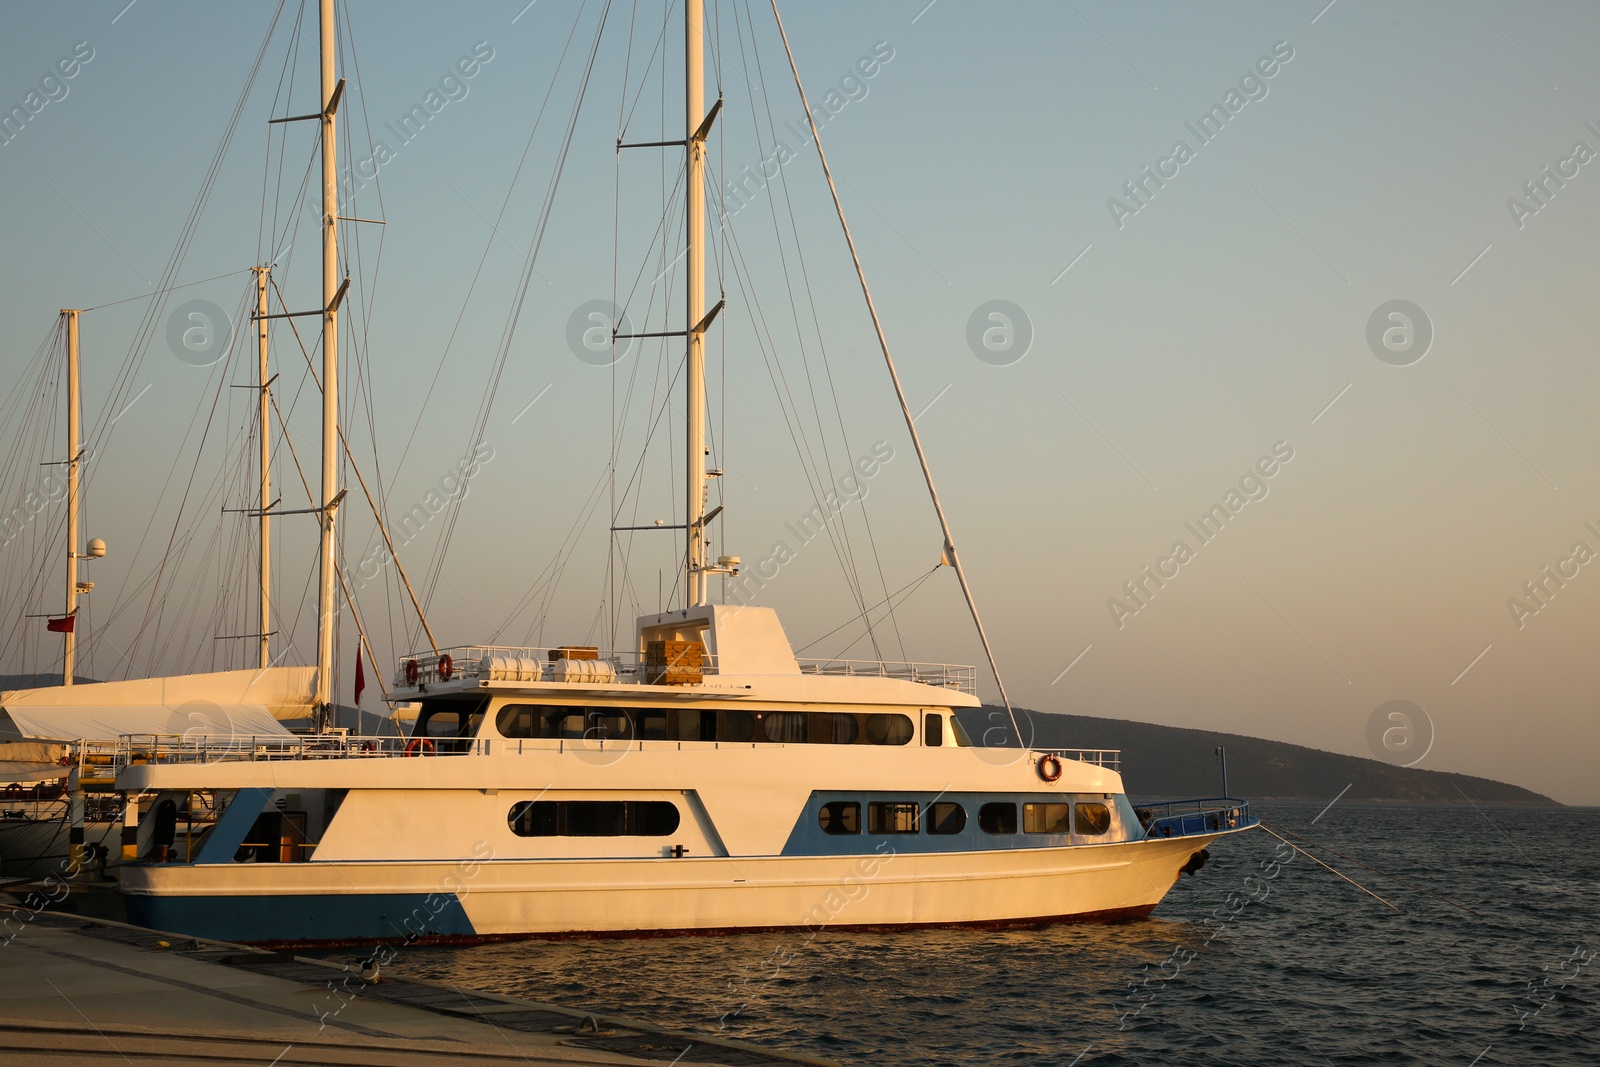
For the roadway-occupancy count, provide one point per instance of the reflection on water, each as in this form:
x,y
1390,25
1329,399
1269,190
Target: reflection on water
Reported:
x,y
1294,966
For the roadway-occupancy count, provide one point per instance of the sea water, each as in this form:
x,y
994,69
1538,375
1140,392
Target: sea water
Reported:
x,y
1264,957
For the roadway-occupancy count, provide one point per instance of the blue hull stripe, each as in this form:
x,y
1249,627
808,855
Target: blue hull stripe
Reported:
x,y
326,916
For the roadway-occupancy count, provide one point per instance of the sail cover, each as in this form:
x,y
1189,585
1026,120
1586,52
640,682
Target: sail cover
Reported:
x,y
214,706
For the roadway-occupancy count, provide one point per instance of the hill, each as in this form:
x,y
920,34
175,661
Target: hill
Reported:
x,y
1171,761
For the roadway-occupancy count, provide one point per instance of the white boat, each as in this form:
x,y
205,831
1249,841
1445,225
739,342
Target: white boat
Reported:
x,y
702,779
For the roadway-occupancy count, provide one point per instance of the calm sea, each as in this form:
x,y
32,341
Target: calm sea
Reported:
x,y
1298,967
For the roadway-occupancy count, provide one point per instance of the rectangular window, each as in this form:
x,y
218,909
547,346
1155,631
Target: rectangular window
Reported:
x,y
933,730
946,817
1045,818
1092,819
893,817
594,818
999,817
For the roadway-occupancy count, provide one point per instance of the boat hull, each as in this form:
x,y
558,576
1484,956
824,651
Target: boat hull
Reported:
x,y
491,899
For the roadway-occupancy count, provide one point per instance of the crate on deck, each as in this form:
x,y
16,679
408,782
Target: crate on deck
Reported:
x,y
674,662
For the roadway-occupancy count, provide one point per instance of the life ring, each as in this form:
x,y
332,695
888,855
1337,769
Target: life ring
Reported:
x,y
368,746
1049,768
447,666
411,672
421,746
13,791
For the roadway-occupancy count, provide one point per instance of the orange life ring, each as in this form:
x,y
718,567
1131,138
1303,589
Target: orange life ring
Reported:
x,y
411,672
368,746
1049,768
14,791
421,746
447,666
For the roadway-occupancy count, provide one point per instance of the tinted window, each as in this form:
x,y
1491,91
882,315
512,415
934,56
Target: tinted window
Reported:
x,y
696,725
785,726
1093,819
889,729
893,817
933,730
738,726
998,818
593,818
652,725
946,818
449,718
1045,818
829,728
840,817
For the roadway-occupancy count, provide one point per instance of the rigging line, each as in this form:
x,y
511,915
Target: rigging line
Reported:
x,y
848,555
505,203
1374,870
545,213
905,409
356,470
163,292
913,585
147,326
822,347
1319,863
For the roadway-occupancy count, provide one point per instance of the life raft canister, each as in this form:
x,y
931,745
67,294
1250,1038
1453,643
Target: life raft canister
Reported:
x,y
1049,768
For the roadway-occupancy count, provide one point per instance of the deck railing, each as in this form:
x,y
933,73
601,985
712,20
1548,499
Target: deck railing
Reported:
x,y
1184,818
1109,758
535,665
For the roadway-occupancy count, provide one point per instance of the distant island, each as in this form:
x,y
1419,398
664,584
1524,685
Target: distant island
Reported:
x,y
1171,761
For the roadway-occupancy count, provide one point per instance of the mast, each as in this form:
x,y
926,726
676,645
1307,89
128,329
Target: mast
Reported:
x,y
266,467
74,446
695,123
322,699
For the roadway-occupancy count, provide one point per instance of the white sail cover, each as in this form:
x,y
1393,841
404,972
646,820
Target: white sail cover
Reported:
x,y
220,705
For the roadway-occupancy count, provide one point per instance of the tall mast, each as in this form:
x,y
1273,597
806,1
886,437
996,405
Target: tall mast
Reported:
x,y
266,467
323,697
74,446
695,124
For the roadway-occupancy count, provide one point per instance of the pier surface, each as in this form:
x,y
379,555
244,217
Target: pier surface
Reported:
x,y
77,991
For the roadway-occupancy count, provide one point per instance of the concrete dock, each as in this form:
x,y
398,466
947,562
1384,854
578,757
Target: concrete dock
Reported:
x,y
75,990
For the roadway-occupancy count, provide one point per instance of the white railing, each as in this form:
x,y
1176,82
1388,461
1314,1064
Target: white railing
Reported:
x,y
955,676
535,664
1109,758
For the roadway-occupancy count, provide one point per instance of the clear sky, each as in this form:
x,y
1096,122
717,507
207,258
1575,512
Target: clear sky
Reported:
x,y
1235,302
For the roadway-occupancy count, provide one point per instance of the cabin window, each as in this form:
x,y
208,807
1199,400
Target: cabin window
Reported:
x,y
785,727
946,817
1045,818
696,725
830,728
652,725
893,817
959,733
840,817
450,720
889,729
593,818
933,730
1092,819
999,817
738,726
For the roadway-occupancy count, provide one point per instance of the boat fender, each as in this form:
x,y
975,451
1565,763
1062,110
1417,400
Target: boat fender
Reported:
x,y
447,666
421,746
1195,862
411,672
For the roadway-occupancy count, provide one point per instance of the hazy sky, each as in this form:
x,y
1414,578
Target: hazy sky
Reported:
x,y
1231,310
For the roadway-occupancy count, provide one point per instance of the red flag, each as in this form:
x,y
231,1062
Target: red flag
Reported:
x,y
361,676
61,626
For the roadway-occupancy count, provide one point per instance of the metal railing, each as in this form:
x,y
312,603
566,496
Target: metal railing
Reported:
x,y
143,749
960,677
1184,818
1109,758
535,664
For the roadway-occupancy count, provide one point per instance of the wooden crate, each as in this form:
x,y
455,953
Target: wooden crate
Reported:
x,y
674,662
575,652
